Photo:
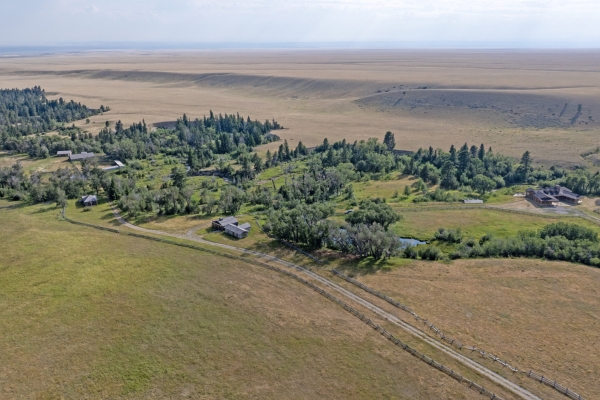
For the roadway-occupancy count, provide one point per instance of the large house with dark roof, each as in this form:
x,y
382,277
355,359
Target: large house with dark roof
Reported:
x,y
553,195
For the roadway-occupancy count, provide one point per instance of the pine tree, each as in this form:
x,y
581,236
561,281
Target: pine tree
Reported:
x,y
481,153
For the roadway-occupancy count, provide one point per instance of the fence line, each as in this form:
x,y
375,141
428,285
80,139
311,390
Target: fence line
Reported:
x,y
555,385
456,376
562,389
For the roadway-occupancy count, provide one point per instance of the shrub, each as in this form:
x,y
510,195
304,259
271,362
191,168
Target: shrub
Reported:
x,y
569,231
448,235
410,251
430,253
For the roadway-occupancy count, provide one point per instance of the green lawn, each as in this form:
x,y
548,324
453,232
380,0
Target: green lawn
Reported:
x,y
475,223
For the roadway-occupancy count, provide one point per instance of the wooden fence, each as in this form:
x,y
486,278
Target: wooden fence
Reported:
x,y
553,384
457,344
454,375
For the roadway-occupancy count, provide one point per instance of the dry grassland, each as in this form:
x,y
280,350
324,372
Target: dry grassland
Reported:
x,y
535,314
89,314
511,101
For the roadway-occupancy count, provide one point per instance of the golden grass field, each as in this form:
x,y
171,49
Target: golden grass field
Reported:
x,y
511,101
535,314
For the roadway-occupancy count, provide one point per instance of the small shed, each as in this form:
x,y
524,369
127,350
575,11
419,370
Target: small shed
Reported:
x,y
119,164
89,200
64,153
221,223
236,231
472,201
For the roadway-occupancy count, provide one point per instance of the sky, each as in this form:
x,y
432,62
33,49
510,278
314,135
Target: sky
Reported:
x,y
393,23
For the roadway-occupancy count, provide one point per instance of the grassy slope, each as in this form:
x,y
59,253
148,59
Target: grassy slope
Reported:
x,y
85,313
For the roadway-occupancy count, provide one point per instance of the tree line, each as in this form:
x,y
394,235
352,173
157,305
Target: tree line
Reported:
x,y
27,111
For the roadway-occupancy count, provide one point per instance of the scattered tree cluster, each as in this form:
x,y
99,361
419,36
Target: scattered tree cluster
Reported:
x,y
559,241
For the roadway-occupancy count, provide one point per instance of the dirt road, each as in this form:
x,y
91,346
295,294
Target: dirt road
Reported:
x,y
493,376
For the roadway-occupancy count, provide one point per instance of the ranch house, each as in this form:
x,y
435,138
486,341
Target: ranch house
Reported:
x,y
553,195
231,226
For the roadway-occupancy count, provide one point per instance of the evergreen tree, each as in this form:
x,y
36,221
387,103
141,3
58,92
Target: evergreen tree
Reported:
x,y
481,153
389,140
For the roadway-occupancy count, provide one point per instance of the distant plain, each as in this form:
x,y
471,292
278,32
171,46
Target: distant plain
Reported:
x,y
547,102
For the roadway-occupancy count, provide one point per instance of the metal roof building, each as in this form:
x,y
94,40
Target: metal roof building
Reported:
x,y
82,156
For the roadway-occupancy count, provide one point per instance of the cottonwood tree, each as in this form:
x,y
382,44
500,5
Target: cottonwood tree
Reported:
x,y
482,184
389,140
371,212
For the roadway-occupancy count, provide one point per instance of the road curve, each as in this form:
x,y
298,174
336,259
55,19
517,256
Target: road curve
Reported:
x,y
493,376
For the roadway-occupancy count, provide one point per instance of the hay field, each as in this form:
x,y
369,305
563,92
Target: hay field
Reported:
x,y
535,314
511,101
94,315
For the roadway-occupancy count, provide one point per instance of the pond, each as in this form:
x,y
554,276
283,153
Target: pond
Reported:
x,y
410,241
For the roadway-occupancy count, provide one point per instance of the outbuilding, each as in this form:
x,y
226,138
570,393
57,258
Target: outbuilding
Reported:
x,y
221,223
64,153
238,231
89,200
82,156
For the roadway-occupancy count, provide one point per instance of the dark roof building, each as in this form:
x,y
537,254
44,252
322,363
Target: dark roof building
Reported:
x,y
553,195
89,200
221,223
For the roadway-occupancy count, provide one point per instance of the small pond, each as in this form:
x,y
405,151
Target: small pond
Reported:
x,y
411,242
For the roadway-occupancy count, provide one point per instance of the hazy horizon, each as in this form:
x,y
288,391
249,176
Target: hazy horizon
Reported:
x,y
314,23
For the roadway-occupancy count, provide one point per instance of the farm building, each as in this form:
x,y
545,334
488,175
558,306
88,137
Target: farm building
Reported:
x,y
118,165
231,226
82,156
552,196
64,153
239,232
472,201
89,200
221,223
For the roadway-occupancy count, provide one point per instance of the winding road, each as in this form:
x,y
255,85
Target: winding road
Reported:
x,y
493,376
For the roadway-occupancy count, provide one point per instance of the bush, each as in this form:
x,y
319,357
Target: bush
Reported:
x,y
430,253
448,235
569,231
86,209
410,251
